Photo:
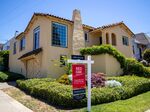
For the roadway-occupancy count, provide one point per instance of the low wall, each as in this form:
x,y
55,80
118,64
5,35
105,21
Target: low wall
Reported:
x,y
107,64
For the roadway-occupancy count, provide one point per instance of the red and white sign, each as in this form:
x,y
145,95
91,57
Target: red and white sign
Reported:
x,y
78,72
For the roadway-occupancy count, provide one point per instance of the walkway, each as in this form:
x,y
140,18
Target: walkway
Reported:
x,y
8,104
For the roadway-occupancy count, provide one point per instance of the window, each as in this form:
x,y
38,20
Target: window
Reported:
x,y
22,44
125,40
63,59
59,35
36,38
107,38
86,36
100,40
113,39
14,50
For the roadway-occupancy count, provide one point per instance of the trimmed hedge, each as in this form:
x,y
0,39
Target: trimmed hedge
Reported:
x,y
132,66
9,76
4,59
103,49
61,95
146,55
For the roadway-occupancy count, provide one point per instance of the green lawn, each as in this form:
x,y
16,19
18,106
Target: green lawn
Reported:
x,y
139,103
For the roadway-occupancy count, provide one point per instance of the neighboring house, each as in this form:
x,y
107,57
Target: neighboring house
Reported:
x,y
140,42
6,46
48,38
1,47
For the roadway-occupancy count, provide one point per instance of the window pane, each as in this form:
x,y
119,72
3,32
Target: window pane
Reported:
x,y
36,38
59,35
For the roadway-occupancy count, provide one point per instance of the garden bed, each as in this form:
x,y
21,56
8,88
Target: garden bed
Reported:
x,y
61,95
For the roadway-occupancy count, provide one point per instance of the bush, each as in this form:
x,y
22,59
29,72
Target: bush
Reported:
x,y
112,83
103,49
146,55
61,95
132,66
64,79
9,76
98,80
4,59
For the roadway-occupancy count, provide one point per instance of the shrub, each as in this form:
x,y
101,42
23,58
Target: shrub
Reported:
x,y
146,55
61,95
132,66
145,63
4,59
103,49
9,76
64,79
98,80
112,83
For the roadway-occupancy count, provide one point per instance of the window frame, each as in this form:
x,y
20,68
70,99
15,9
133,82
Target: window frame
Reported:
x,y
53,22
125,40
22,43
35,45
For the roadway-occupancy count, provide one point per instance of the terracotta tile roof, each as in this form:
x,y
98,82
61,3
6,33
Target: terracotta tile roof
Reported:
x,y
46,14
112,25
34,52
109,25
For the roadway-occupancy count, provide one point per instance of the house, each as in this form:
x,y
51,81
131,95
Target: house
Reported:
x,y
48,38
6,46
141,41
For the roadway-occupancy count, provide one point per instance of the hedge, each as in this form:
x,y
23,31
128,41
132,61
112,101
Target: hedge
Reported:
x,y
9,76
4,59
146,55
61,95
132,66
103,49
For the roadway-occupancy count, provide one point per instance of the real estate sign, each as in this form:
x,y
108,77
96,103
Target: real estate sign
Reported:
x,y
79,82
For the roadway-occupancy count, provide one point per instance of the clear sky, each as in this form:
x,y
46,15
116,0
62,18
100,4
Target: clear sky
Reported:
x,y
15,14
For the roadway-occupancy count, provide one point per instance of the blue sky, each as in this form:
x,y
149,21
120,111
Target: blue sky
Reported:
x,y
15,14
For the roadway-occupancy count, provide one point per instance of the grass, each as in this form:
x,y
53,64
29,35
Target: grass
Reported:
x,y
139,103
32,103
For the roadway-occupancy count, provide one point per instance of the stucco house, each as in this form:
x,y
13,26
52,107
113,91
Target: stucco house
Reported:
x,y
48,37
140,42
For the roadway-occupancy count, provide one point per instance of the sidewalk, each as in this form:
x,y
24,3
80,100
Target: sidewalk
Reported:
x,y
8,104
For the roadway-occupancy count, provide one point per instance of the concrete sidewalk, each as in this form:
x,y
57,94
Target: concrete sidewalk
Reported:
x,y
8,104
4,85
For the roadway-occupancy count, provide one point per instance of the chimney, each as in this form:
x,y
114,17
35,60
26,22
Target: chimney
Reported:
x,y
78,41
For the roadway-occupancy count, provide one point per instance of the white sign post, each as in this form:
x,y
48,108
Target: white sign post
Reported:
x,y
89,62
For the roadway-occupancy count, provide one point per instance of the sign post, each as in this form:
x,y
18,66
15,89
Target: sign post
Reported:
x,y
88,62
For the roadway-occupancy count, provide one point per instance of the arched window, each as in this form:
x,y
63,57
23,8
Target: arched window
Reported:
x,y
107,38
113,39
